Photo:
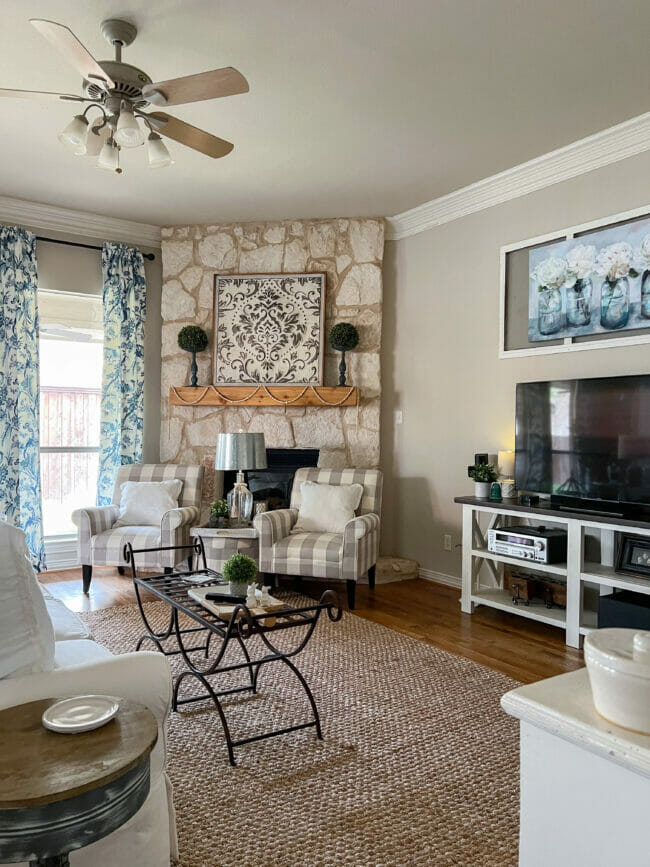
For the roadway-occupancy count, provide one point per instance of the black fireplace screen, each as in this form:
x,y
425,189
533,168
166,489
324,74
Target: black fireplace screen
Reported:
x,y
273,485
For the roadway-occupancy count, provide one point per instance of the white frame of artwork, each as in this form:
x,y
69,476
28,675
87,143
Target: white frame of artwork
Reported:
x,y
215,323
568,344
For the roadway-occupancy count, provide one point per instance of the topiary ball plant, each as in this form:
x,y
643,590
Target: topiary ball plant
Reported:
x,y
193,339
240,571
343,337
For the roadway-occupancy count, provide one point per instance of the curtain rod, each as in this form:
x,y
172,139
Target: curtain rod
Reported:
x,y
149,256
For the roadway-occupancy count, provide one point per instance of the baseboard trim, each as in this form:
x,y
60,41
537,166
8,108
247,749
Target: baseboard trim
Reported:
x,y
441,578
61,553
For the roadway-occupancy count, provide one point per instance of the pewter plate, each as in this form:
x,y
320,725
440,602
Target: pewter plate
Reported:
x,y
82,713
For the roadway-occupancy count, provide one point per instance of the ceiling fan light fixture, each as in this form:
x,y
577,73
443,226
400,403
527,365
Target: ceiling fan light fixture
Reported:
x,y
97,135
128,133
74,135
109,156
157,153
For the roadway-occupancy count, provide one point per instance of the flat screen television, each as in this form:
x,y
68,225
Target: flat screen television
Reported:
x,y
586,442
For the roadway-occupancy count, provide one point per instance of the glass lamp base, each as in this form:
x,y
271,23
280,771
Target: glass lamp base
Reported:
x,y
240,502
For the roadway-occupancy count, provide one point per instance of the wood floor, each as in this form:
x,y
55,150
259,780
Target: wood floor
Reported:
x,y
523,649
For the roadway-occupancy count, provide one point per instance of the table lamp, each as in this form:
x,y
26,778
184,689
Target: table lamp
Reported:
x,y
240,451
506,467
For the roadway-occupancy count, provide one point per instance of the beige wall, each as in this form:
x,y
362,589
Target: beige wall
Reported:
x,y
440,360
350,252
77,269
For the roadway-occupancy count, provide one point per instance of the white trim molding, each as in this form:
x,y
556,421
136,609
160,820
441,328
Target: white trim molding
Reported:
x,y
608,146
54,219
441,578
61,552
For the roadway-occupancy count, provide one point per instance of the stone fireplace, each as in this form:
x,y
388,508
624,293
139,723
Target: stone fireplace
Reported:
x,y
350,252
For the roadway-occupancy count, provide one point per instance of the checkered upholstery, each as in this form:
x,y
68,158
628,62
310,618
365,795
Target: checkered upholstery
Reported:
x,y
101,544
345,557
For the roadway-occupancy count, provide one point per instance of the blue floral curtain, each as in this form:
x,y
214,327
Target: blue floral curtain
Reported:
x,y
122,412
20,468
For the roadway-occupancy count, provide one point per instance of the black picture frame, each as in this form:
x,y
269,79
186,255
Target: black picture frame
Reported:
x,y
634,556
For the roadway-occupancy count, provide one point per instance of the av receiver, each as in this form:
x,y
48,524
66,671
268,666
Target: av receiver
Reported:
x,y
537,544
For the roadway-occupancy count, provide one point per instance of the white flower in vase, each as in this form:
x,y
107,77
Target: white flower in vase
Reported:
x,y
581,262
550,274
615,262
644,253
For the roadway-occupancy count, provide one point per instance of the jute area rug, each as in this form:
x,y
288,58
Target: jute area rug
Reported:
x,y
419,765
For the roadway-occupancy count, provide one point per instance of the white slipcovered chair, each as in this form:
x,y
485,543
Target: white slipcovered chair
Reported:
x,y
102,544
46,651
345,556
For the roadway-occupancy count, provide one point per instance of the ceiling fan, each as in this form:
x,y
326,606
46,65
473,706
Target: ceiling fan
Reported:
x,y
121,92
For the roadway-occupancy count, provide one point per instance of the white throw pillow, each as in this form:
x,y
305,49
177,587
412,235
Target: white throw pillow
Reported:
x,y
144,503
26,632
326,508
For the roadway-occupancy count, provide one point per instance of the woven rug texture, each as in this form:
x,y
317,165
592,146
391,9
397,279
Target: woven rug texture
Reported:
x,y
418,766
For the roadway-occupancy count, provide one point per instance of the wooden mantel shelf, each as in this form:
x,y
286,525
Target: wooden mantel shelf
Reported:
x,y
264,395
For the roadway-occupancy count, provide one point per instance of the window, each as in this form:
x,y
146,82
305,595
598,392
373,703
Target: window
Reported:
x,y
71,352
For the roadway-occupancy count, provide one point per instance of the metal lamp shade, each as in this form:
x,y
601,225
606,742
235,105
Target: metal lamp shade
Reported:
x,y
240,451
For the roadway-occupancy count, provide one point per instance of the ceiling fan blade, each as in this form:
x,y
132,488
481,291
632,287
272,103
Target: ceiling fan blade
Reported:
x,y
41,94
192,88
67,44
189,135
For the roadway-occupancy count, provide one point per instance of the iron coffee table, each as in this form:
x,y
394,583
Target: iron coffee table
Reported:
x,y
205,660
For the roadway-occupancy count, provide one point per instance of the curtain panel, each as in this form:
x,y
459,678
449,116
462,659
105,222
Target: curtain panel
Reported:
x,y
122,408
20,468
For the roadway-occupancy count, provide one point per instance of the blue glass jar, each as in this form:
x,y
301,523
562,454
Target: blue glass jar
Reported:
x,y
578,303
615,303
549,310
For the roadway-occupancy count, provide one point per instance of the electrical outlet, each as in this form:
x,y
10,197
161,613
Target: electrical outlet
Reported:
x,y
446,541
398,416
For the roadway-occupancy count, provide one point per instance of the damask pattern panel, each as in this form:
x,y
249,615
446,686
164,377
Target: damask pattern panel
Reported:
x,y
269,328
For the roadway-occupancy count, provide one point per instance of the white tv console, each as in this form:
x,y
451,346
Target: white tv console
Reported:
x,y
482,571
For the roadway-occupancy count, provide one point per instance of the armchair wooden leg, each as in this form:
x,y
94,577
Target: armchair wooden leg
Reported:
x,y
86,574
168,570
371,576
121,570
352,586
190,562
298,585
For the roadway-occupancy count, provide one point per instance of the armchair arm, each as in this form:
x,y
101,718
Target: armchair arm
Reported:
x,y
175,530
90,522
360,546
273,526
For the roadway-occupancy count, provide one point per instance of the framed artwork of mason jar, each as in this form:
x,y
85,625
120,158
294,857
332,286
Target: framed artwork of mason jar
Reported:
x,y
586,287
269,329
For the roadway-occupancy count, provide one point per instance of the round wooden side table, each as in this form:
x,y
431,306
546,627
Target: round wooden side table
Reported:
x,y
60,792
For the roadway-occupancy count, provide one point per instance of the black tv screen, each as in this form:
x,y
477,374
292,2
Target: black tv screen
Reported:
x,y
585,439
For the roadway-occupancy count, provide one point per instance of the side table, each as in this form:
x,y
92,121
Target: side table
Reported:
x,y
60,792
221,543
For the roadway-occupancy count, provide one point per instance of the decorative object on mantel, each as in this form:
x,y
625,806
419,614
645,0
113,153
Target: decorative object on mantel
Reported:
x,y
618,662
264,395
268,328
240,571
219,513
343,337
240,451
483,475
193,339
495,492
587,280
120,92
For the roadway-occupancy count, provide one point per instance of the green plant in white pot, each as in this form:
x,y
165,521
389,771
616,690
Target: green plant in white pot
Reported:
x,y
483,475
240,571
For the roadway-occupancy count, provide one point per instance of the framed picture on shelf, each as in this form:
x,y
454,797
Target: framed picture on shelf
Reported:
x,y
634,556
269,329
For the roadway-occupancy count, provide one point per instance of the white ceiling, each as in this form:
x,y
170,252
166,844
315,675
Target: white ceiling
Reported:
x,y
356,107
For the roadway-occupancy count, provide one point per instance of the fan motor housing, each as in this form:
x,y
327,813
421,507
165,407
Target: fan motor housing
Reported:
x,y
129,81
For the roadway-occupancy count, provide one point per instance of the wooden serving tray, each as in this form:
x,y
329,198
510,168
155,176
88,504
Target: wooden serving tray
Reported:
x,y
225,611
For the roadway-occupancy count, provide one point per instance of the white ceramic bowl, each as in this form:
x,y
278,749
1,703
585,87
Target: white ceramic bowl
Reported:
x,y
618,662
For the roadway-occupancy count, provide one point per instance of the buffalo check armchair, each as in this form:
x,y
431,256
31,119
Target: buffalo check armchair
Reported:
x,y
102,544
347,556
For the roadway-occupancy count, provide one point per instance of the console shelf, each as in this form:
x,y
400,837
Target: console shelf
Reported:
x,y
482,581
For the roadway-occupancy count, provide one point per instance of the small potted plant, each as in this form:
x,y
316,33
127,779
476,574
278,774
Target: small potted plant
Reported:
x,y
193,339
343,337
483,475
219,513
240,571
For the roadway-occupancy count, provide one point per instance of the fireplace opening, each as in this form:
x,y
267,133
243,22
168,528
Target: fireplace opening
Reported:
x,y
272,486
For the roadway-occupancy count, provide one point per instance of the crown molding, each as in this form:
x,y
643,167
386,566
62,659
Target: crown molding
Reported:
x,y
608,146
51,218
